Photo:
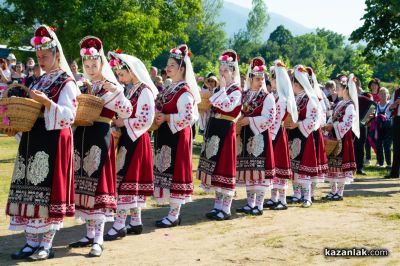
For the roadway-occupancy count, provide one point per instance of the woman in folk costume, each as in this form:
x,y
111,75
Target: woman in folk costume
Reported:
x,y
217,164
301,139
255,154
285,105
322,160
95,170
41,192
134,157
343,125
176,111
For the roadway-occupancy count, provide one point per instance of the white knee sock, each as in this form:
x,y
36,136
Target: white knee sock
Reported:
x,y
136,216
282,196
260,195
251,198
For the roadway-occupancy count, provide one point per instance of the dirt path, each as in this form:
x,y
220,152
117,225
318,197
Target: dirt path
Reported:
x,y
368,217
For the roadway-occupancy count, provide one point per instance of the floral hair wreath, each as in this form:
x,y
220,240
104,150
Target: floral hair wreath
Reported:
x,y
42,39
229,57
301,69
116,63
180,52
258,66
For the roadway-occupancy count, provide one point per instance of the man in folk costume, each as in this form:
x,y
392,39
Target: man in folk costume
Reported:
x,y
176,111
255,155
95,169
134,157
322,160
42,192
301,139
285,105
217,164
343,123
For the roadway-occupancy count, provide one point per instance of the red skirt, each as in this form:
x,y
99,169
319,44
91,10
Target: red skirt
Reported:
x,y
322,160
342,166
135,160
283,167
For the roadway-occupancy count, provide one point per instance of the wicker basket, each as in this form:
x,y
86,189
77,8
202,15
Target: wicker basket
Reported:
x,y
288,121
17,113
330,145
89,109
205,104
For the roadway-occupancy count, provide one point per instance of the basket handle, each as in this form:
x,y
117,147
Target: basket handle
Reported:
x,y
25,88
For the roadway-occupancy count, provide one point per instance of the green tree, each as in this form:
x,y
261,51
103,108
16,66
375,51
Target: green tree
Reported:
x,y
143,28
381,28
281,35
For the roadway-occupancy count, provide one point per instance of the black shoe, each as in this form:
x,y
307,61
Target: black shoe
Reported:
x,y
293,200
280,207
161,224
120,234
256,211
21,255
337,197
361,172
269,204
82,244
42,254
328,196
211,213
244,209
96,253
135,229
224,214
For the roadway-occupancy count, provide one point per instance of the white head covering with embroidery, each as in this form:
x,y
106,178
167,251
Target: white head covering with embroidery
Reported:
x,y
46,38
300,73
230,58
182,52
134,64
92,49
285,89
354,97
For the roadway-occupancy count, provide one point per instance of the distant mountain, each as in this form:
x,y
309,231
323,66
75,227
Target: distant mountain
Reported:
x,y
235,18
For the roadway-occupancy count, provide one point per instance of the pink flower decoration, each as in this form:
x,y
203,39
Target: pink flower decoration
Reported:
x,y
3,108
92,51
83,51
45,40
35,41
6,121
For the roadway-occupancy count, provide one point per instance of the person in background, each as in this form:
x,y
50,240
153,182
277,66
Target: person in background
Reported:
x,y
383,123
37,72
18,76
5,76
159,83
153,73
394,107
75,70
374,86
30,63
332,93
164,74
365,102
11,60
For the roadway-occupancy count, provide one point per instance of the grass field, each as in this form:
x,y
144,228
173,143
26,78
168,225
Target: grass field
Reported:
x,y
368,217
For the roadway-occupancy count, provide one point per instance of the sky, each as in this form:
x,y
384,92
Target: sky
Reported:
x,y
342,16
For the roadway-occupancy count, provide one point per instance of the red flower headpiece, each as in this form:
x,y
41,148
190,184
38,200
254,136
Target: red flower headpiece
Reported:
x,y
258,66
42,39
90,47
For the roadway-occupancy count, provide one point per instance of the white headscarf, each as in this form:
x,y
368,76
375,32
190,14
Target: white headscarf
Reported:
x,y
235,64
285,89
138,69
190,79
247,83
106,70
301,75
354,97
63,62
